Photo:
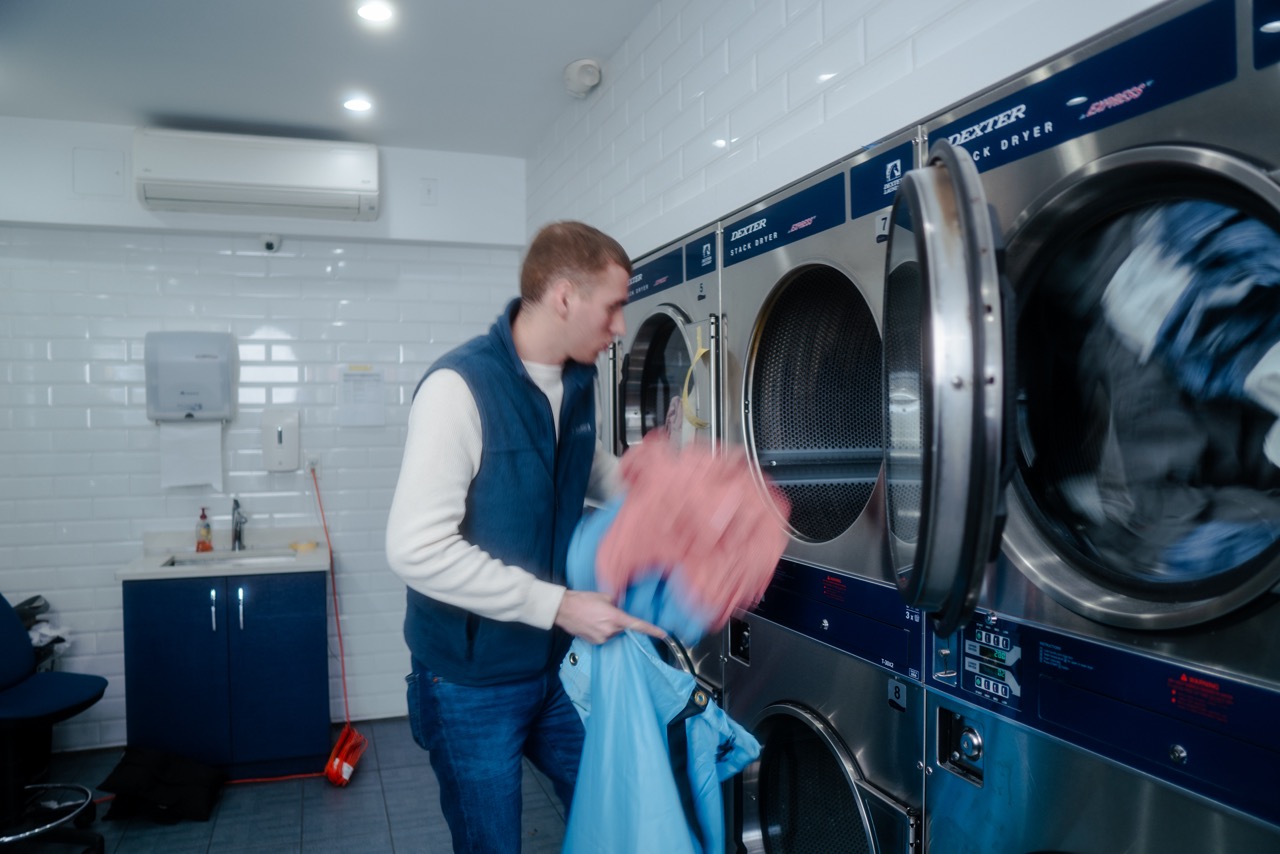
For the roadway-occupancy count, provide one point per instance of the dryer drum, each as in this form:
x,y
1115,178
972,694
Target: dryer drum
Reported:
x,y
1146,447
806,803
814,400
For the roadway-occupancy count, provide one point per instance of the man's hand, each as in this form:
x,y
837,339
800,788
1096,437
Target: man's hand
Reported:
x,y
594,618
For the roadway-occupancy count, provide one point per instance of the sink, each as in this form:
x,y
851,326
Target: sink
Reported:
x,y
168,554
253,557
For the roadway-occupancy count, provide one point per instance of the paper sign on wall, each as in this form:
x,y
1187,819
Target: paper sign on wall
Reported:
x,y
362,402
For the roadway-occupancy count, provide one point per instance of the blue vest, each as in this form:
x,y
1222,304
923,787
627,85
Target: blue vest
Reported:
x,y
522,508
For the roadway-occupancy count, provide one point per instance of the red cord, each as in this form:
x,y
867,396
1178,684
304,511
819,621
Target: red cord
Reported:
x,y
360,741
108,798
333,581
275,779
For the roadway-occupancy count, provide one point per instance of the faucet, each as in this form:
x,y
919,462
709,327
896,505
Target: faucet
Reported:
x,y
237,526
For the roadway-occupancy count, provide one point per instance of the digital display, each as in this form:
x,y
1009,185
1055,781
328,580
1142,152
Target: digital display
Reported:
x,y
993,672
988,652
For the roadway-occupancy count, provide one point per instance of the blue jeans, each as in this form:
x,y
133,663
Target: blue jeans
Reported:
x,y
476,737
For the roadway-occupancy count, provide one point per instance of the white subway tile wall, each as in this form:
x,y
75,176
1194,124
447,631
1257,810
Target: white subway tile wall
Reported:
x,y
80,463
705,89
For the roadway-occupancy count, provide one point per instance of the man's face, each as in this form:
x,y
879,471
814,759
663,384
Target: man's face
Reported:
x,y
595,313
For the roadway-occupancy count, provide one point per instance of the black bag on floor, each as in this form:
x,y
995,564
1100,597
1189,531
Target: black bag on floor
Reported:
x,y
162,787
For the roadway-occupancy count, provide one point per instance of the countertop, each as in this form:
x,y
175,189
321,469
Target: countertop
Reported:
x,y
172,554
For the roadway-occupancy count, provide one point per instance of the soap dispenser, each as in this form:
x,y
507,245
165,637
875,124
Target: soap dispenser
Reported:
x,y
204,534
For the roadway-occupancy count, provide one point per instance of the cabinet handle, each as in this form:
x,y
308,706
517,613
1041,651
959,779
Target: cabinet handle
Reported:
x,y
213,610
240,596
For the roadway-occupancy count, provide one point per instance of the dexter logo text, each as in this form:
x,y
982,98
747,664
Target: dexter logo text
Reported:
x,y
985,126
739,233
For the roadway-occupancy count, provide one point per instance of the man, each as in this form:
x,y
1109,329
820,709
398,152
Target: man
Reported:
x,y
500,454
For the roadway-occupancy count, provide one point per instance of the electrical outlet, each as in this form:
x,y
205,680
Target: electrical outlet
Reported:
x,y
313,463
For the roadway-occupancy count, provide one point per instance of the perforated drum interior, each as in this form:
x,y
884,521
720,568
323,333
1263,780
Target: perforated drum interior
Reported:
x,y
807,805
814,404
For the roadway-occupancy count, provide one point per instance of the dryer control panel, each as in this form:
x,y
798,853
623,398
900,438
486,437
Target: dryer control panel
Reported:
x,y
989,656
1196,729
857,616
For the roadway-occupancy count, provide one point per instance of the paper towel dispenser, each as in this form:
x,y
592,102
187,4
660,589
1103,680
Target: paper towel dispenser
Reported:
x,y
191,376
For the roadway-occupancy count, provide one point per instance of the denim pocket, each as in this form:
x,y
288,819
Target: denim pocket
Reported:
x,y
413,694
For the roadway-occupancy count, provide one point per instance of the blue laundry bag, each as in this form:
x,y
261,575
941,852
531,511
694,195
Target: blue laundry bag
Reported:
x,y
639,713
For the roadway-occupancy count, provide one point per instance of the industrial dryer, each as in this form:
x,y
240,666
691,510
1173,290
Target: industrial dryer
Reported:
x,y
826,670
667,375
1080,480
842,742
668,359
801,293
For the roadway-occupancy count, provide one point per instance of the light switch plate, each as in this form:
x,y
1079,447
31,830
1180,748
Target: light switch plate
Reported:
x,y
280,439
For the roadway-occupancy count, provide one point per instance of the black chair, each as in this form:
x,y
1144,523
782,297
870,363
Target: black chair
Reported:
x,y
30,704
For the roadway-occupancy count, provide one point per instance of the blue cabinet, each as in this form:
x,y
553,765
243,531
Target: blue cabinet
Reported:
x,y
232,671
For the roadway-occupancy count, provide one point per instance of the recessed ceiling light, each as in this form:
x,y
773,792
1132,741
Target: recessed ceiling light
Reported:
x,y
1077,101
357,105
1270,27
376,11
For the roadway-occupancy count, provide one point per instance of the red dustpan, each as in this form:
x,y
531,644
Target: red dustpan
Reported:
x,y
346,753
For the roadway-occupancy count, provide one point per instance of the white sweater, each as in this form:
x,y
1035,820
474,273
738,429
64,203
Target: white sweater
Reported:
x,y
441,457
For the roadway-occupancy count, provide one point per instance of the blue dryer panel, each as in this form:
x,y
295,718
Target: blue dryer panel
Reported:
x,y
1182,57
700,257
1201,731
856,616
873,183
665,271
1266,45
803,214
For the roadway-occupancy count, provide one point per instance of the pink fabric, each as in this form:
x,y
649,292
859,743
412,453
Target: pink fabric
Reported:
x,y
715,521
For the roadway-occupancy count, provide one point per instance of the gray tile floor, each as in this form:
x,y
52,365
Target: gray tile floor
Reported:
x,y
392,804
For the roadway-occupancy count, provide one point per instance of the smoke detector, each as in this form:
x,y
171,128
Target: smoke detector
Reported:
x,y
581,76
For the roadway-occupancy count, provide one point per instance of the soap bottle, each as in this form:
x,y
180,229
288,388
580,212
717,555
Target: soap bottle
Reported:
x,y
204,534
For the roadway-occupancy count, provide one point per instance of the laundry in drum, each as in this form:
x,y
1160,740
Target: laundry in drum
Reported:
x,y
1200,291
1170,462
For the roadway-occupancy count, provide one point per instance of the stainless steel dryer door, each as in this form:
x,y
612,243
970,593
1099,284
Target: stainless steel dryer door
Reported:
x,y
944,389
669,379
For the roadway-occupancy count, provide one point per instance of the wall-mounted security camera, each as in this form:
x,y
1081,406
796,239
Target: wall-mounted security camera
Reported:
x,y
271,242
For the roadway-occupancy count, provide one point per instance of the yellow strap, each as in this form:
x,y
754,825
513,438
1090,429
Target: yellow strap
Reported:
x,y
691,414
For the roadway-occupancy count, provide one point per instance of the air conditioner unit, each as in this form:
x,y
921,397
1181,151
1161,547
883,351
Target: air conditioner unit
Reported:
x,y
255,175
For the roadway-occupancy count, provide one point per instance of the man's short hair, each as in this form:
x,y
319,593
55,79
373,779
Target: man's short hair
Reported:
x,y
569,250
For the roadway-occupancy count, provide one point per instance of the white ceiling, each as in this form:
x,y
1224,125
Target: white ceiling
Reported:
x,y
480,76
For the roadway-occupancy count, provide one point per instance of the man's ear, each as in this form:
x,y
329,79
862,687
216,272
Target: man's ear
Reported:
x,y
560,291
